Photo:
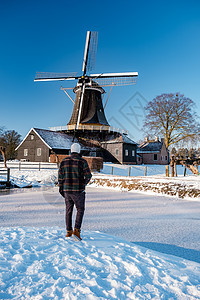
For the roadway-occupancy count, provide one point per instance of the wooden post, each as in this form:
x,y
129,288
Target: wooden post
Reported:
x,y
57,160
19,165
185,171
167,170
112,171
172,166
196,167
39,166
129,172
175,169
8,175
145,172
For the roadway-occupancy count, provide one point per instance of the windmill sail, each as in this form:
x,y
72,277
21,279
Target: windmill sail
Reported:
x,y
46,76
92,51
115,79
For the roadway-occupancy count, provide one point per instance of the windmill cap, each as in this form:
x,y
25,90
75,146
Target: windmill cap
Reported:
x,y
75,148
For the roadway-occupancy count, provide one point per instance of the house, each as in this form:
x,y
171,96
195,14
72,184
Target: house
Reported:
x,y
153,152
41,145
120,149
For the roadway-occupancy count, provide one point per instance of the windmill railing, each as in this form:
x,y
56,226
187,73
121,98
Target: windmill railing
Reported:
x,y
89,127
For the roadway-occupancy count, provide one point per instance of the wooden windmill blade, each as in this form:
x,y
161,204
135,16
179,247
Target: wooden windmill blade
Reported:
x,y
47,76
115,79
88,63
90,52
86,53
84,69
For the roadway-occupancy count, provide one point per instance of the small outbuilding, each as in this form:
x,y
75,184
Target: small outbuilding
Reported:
x,y
120,149
153,152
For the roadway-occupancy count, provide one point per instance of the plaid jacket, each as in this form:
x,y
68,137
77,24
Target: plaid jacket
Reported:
x,y
74,174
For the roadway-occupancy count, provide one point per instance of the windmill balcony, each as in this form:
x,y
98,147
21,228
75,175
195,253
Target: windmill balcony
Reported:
x,y
89,127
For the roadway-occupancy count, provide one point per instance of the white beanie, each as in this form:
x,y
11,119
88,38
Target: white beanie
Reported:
x,y
75,148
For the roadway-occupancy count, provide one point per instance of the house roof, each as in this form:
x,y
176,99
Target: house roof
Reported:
x,y
53,139
123,138
150,146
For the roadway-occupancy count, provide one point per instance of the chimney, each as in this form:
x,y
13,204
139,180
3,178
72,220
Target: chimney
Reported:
x,y
156,139
146,139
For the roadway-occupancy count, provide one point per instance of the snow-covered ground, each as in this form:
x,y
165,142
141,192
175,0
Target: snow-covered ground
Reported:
x,y
43,264
38,262
121,231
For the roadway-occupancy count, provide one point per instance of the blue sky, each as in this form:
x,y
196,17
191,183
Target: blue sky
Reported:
x,y
159,39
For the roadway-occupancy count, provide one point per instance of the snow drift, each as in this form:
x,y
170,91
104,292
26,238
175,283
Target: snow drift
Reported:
x,y
42,264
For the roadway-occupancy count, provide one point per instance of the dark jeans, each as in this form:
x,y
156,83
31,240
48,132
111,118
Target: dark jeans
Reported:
x,y
79,200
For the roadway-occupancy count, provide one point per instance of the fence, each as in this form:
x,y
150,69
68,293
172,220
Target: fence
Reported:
x,y
108,168
6,174
30,165
140,170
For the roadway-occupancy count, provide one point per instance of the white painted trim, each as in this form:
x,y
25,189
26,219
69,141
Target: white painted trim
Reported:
x,y
54,79
37,135
147,151
86,50
80,107
41,138
90,88
23,140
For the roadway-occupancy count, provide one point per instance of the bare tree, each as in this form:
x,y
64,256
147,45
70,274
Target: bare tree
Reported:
x,y
2,148
10,139
3,153
173,117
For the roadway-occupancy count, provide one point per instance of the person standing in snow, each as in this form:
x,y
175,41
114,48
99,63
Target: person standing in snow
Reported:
x,y
74,175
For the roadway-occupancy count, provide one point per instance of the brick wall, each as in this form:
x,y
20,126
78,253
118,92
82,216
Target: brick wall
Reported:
x,y
94,163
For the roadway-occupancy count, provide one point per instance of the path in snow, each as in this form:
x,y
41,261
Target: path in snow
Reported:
x,y
164,224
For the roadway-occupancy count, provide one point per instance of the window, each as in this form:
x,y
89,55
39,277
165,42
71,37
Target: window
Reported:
x,y
25,152
93,154
39,151
155,157
126,152
117,151
32,137
161,157
166,157
133,152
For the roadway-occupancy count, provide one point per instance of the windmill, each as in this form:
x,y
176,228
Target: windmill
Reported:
x,y
88,111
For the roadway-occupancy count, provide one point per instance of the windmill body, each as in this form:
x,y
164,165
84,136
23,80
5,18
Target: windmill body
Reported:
x,y
92,112
88,112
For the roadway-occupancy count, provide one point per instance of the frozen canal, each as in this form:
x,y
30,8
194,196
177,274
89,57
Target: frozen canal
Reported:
x,y
160,223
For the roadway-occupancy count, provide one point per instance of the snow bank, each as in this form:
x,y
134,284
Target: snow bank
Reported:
x,y
42,264
185,187
178,187
32,178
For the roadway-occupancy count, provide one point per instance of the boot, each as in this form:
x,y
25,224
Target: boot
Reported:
x,y
69,233
76,234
